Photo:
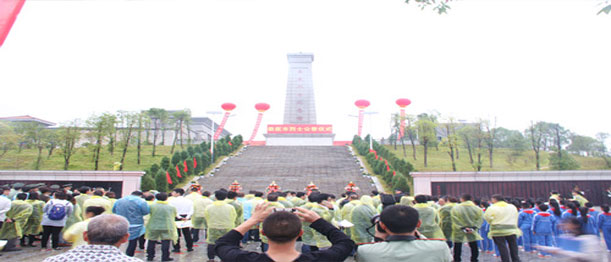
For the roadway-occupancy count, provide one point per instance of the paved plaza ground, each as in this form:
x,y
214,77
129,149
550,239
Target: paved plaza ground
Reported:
x,y
32,254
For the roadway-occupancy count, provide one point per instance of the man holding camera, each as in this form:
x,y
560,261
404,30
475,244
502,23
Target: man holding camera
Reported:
x,y
282,229
397,227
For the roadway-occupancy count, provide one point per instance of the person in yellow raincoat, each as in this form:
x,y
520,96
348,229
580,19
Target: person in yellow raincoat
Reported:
x,y
504,231
323,208
299,199
232,199
220,218
445,218
406,201
74,234
161,227
429,217
198,220
99,201
16,218
578,196
467,218
361,216
33,227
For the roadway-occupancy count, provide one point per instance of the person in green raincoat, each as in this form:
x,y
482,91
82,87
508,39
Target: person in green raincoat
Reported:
x,y
406,201
161,227
322,207
74,216
467,218
220,218
299,199
98,200
33,227
445,217
353,200
16,218
197,219
361,216
429,217
232,199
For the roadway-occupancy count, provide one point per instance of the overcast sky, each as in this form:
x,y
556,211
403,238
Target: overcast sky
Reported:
x,y
516,61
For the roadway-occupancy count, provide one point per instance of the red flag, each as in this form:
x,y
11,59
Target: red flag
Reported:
x,y
167,176
387,168
194,163
8,14
230,143
185,164
394,173
178,172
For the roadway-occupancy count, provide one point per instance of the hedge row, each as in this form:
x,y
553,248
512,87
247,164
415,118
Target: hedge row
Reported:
x,y
393,170
196,158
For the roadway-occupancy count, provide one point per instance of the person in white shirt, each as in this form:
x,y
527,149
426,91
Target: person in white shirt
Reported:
x,y
5,205
184,211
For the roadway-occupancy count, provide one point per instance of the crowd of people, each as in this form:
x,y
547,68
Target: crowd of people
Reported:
x,y
370,227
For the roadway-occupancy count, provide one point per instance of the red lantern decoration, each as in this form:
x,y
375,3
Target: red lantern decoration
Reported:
x,y
228,107
261,107
362,103
402,103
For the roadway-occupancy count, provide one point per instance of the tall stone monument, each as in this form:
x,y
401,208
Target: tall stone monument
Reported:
x,y
300,127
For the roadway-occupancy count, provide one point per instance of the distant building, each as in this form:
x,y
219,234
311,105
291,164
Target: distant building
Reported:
x,y
26,119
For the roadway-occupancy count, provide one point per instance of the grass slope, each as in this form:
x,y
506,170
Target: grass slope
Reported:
x,y
82,159
502,160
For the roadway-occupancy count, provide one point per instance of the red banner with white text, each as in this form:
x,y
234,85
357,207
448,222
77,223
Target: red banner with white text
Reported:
x,y
299,129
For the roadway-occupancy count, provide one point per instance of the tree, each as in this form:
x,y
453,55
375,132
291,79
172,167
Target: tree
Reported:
x,y
148,183
179,117
99,128
535,134
161,181
466,134
158,116
563,162
559,136
165,163
602,148
451,141
36,135
141,119
128,121
8,138
51,143
441,7
68,135
479,138
426,133
489,138
580,144
607,7
112,133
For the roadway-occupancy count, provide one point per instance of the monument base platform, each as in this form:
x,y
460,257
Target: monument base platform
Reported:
x,y
299,139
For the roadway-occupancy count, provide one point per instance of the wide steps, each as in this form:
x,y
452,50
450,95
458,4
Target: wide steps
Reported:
x,y
292,167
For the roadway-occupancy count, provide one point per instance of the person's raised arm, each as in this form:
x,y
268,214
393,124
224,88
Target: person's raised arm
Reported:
x,y
342,245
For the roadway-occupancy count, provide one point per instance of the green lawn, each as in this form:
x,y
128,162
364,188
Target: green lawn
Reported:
x,y
502,160
82,159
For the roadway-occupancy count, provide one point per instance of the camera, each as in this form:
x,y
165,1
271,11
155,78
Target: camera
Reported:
x,y
375,220
277,209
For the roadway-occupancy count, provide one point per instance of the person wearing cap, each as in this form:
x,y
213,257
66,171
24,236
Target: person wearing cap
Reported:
x,y
68,188
15,190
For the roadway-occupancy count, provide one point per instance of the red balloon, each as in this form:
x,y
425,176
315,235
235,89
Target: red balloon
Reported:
x,y
262,107
228,106
403,102
362,103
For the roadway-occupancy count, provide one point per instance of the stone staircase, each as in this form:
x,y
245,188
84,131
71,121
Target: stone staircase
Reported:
x,y
292,167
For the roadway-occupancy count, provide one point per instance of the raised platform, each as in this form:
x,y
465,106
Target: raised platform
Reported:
x,y
299,139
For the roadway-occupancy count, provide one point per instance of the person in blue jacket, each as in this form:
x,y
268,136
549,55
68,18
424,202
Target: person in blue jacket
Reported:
x,y
571,211
542,228
604,225
588,225
594,214
556,211
525,222
133,208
